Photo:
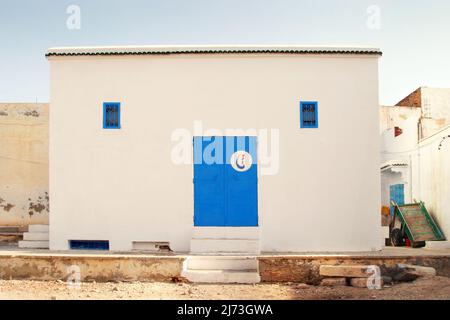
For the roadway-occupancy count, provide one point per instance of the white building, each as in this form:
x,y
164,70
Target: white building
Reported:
x,y
415,152
121,129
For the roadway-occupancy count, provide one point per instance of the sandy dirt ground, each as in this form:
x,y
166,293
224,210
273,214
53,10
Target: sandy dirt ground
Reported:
x,y
422,288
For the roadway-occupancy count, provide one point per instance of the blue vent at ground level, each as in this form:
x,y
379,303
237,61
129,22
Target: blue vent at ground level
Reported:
x,y
89,244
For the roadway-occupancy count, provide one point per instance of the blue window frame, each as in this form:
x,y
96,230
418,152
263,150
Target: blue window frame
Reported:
x,y
309,116
111,115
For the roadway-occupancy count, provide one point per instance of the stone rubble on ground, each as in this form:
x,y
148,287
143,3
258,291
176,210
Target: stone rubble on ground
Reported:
x,y
357,276
408,273
419,270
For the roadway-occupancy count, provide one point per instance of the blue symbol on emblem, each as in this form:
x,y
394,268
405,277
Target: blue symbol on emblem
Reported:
x,y
243,164
241,161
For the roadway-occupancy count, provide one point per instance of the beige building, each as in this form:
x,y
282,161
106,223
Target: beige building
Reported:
x,y
24,197
431,104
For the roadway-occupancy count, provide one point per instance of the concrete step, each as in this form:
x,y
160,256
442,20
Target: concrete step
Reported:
x,y
11,234
250,233
38,228
8,245
26,244
9,229
222,263
224,246
35,236
8,238
221,276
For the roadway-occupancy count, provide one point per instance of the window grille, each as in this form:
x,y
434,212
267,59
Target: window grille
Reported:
x,y
309,115
111,115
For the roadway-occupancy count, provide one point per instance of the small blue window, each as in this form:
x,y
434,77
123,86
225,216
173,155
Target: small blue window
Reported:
x,y
309,114
111,115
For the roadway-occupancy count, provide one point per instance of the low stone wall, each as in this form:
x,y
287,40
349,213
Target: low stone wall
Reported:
x,y
92,268
306,270
125,267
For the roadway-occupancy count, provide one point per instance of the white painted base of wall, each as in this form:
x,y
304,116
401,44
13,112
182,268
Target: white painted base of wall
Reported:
x,y
221,270
250,233
224,246
384,235
227,240
222,263
437,245
220,276
384,232
26,244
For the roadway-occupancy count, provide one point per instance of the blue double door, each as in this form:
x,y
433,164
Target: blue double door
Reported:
x,y
225,182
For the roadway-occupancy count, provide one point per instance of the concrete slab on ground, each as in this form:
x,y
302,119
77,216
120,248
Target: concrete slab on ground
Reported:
x,y
344,271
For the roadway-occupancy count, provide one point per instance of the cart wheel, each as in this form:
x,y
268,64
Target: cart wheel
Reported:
x,y
397,239
418,244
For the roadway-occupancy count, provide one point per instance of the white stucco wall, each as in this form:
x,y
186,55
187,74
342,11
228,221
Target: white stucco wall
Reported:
x,y
121,185
427,176
398,149
433,185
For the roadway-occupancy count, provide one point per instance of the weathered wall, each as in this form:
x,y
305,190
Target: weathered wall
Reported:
x,y
428,126
395,116
436,103
23,164
100,268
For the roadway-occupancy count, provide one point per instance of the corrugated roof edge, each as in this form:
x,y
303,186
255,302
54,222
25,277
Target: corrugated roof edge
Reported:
x,y
166,50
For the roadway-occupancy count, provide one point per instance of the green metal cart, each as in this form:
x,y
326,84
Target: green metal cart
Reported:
x,y
413,222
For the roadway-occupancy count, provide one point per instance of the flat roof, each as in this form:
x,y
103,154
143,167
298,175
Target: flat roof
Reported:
x,y
211,49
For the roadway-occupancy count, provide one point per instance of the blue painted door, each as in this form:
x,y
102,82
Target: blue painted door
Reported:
x,y
397,194
225,182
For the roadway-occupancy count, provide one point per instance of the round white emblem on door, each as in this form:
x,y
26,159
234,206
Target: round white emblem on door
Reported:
x,y
241,161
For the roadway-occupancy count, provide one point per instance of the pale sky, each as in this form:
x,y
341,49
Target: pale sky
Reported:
x,y
414,35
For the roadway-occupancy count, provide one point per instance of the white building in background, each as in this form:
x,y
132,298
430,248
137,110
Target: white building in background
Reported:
x,y
415,152
124,129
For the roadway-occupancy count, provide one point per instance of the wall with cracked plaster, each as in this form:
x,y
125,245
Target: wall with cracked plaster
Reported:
x,y
24,196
